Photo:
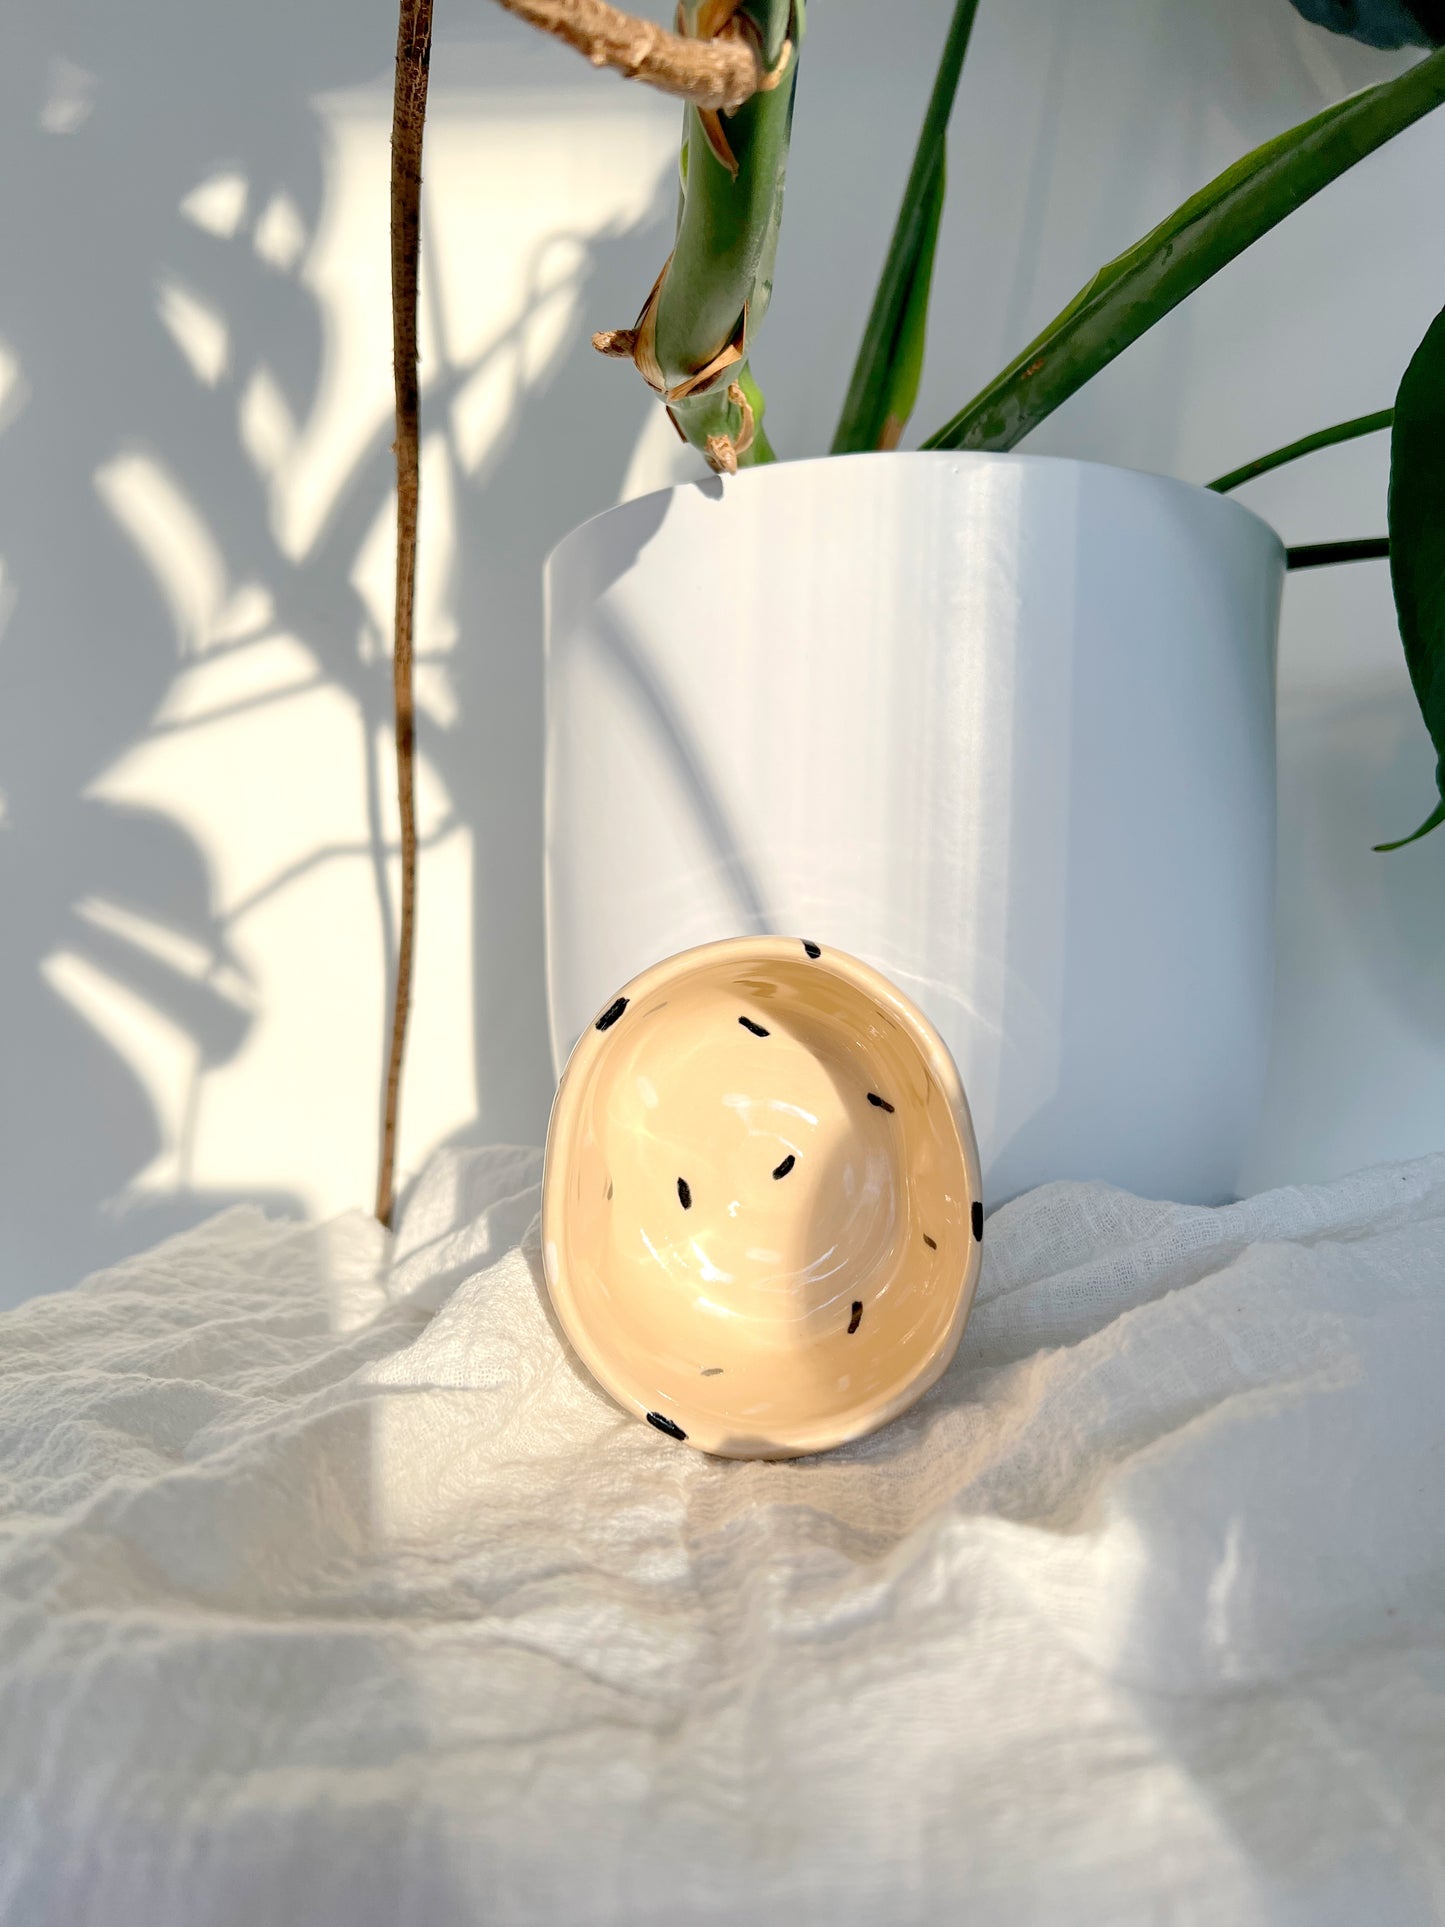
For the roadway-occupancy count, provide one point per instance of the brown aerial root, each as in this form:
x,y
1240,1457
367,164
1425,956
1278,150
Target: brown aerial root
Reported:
x,y
715,17
413,58
717,71
621,342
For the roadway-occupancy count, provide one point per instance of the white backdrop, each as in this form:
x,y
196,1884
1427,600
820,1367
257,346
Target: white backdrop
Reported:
x,y
194,544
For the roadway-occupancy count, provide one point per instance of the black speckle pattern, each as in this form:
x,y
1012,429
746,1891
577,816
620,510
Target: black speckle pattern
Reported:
x,y
666,1424
748,1024
811,948
978,1219
782,1170
610,1016
932,1243
857,1319
881,1102
684,1194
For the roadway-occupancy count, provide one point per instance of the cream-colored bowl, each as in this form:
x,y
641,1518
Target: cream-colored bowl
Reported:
x,y
761,1217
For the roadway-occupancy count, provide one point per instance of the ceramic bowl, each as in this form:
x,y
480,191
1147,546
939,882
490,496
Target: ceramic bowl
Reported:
x,y
761,1217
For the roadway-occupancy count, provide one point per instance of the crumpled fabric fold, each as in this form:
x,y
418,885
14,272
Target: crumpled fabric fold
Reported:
x,y
332,1589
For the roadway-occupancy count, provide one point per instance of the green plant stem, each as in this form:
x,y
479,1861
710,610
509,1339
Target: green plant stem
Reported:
x,y
1306,445
720,278
1131,293
1321,555
867,405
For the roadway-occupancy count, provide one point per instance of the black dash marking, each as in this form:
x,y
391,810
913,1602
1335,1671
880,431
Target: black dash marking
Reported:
x,y
748,1024
881,1102
609,1190
857,1319
811,948
978,1219
712,1371
932,1243
684,1194
610,1016
665,1424
787,1164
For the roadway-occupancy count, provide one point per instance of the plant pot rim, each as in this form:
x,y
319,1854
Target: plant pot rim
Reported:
x,y
717,486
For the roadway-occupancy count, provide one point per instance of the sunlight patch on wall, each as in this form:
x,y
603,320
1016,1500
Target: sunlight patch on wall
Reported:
x,y
516,184
271,748
248,609
265,766
217,203
178,952
197,329
485,403
267,426
183,555
70,98
280,234
13,391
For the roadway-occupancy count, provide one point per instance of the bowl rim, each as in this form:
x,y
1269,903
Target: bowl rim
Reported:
x,y
791,1441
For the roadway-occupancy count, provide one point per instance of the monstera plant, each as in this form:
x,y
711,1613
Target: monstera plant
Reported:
x,y
1380,23
735,65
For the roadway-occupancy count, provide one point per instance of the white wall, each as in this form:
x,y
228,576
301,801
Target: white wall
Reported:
x,y
194,503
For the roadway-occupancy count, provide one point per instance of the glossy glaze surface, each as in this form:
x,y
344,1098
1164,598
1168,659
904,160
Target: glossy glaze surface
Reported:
x,y
759,1218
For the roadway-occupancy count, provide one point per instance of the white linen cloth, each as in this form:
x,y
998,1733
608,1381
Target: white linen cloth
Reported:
x,y
332,1591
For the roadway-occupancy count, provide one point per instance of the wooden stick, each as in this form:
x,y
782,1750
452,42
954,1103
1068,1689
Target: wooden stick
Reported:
x,y
716,74
413,60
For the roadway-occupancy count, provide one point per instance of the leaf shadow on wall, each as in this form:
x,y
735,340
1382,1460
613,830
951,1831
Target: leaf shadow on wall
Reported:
x,y
140,539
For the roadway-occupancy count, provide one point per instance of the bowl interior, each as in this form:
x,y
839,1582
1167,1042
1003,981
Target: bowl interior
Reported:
x,y
765,1229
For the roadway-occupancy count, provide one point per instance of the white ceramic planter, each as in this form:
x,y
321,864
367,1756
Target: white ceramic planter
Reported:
x,y
1001,725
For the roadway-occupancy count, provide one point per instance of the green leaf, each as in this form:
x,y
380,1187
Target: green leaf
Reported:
x,y
896,320
1380,23
1126,298
905,368
1417,541
1432,822
1306,445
